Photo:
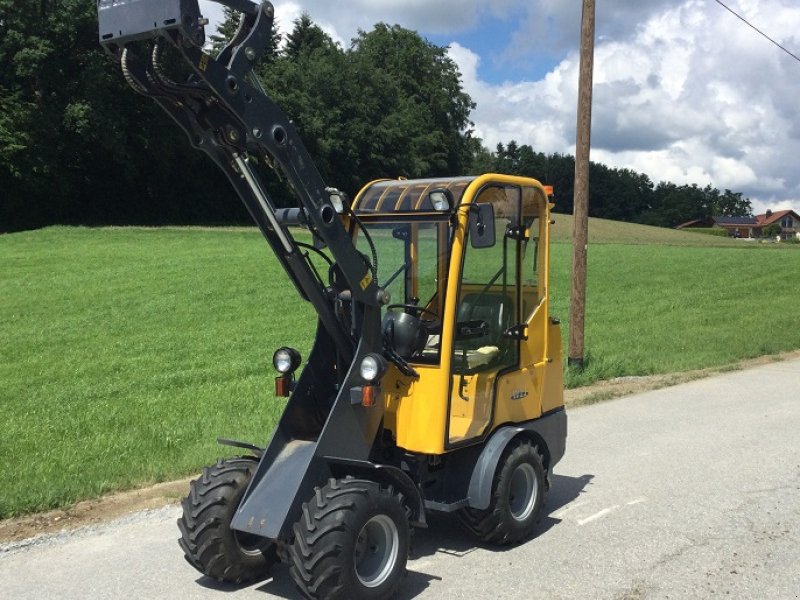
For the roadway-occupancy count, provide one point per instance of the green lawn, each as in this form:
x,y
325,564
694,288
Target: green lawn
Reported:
x,y
662,309
126,352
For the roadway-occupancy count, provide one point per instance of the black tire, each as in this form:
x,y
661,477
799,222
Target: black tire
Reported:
x,y
517,497
208,542
351,542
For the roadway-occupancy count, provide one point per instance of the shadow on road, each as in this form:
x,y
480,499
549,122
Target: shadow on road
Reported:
x,y
281,585
563,490
444,536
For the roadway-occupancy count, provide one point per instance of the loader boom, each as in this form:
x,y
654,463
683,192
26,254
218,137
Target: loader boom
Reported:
x,y
226,114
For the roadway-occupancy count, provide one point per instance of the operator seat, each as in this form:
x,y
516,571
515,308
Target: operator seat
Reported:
x,y
496,310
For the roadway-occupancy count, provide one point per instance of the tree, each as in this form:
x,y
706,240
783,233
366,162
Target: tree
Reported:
x,y
732,204
391,105
76,145
618,194
227,29
419,113
306,36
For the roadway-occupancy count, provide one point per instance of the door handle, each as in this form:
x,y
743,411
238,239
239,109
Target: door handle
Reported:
x,y
462,383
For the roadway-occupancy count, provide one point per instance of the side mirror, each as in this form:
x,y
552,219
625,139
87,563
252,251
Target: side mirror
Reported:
x,y
481,225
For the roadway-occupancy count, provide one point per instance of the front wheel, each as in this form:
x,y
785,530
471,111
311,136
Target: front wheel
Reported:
x,y
351,542
517,497
208,542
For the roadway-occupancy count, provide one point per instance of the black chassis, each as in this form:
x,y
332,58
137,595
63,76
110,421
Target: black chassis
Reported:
x,y
227,115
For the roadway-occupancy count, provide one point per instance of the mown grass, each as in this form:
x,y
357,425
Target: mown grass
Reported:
x,y
663,309
126,352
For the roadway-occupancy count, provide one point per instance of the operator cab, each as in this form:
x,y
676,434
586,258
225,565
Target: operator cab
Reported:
x,y
411,227
461,259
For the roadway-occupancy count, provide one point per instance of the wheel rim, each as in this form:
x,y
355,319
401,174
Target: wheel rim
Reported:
x,y
523,492
249,544
375,554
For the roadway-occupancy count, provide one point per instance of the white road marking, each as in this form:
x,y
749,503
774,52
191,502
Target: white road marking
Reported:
x,y
598,515
566,509
637,501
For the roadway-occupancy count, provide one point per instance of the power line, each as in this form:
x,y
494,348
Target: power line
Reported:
x,y
749,24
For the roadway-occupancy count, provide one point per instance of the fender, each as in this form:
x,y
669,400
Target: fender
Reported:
x,y
385,474
549,432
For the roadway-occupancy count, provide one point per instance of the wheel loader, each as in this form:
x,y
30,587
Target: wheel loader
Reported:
x,y
434,384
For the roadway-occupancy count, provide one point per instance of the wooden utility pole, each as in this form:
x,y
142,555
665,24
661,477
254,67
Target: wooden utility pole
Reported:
x,y
580,235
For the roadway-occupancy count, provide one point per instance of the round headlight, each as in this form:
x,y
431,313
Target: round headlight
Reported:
x,y
286,360
372,367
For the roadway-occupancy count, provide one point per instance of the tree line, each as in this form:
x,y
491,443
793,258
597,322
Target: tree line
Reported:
x,y
77,146
617,194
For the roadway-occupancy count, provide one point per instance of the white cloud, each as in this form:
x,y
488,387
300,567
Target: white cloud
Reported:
x,y
684,91
689,94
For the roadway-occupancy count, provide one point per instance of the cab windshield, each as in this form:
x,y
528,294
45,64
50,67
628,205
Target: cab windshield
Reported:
x,y
412,261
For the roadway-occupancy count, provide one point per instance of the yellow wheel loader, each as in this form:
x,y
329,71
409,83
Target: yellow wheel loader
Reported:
x,y
435,379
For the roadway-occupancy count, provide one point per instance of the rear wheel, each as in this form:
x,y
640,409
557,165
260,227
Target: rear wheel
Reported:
x,y
208,542
517,496
351,542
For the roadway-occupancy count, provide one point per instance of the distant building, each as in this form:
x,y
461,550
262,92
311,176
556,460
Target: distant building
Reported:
x,y
751,227
787,219
739,227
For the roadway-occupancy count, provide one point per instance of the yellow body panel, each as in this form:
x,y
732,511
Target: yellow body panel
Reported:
x,y
553,396
519,395
416,410
429,415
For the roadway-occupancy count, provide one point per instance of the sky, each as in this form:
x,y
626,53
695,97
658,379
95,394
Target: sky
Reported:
x,y
683,90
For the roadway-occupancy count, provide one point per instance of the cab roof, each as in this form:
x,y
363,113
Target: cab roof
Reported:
x,y
407,195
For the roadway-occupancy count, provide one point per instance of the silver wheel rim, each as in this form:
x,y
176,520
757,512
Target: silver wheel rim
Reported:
x,y
523,492
250,545
375,554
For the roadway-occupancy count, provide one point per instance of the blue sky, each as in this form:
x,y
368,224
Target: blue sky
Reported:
x,y
492,41
684,91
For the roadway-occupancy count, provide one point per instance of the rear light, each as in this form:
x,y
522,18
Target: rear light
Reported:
x,y
283,386
369,395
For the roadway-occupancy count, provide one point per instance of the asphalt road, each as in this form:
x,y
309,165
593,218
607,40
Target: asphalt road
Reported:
x,y
686,492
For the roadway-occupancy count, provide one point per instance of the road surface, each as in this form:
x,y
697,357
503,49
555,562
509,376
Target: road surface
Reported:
x,y
687,492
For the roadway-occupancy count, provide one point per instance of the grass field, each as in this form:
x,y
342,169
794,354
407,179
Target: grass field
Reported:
x,y
126,352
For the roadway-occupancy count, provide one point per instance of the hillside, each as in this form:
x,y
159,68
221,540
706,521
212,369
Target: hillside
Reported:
x,y
603,231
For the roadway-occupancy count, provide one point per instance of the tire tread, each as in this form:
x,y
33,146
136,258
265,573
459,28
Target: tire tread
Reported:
x,y
205,523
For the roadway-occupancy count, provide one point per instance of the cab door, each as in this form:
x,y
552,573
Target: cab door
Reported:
x,y
487,309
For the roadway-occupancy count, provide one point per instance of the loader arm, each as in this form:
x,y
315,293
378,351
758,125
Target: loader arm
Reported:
x,y
226,113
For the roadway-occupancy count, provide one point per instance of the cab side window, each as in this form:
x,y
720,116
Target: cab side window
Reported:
x,y
488,300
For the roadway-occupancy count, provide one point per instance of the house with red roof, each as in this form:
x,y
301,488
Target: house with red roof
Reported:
x,y
788,220
752,227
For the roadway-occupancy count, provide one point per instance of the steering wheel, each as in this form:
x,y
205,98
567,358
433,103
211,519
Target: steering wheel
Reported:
x,y
431,325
